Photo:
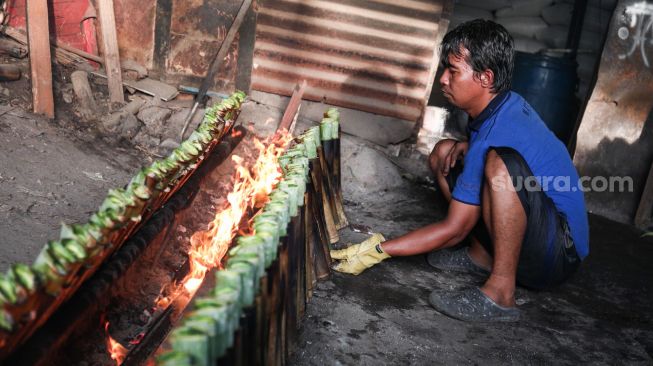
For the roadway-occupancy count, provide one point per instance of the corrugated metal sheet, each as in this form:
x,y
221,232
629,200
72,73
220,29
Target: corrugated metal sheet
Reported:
x,y
371,55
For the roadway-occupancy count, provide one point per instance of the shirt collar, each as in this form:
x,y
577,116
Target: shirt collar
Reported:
x,y
491,108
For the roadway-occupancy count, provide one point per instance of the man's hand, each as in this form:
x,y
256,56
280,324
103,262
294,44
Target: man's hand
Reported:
x,y
458,151
358,257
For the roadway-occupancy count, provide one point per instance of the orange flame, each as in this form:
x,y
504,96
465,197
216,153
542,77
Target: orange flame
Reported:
x,y
117,351
251,189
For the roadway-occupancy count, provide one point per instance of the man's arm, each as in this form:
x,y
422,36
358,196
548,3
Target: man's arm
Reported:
x,y
460,220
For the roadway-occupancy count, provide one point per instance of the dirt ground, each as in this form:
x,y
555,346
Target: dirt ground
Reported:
x,y
49,176
60,171
382,317
52,171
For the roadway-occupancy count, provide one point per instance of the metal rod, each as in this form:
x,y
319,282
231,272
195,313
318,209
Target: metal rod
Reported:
x,y
216,63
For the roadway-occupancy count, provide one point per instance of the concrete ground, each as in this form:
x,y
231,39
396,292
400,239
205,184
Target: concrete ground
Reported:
x,y
603,315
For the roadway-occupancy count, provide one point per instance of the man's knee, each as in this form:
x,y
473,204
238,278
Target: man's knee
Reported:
x,y
496,172
439,153
494,164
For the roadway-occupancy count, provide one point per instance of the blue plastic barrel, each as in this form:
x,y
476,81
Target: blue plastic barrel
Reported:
x,y
548,83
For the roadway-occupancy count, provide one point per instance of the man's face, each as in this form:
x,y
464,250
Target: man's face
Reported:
x,y
459,85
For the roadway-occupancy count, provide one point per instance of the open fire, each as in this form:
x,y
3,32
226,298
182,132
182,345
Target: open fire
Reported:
x,y
250,191
116,350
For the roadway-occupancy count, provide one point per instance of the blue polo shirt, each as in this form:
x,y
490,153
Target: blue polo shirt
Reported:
x,y
509,121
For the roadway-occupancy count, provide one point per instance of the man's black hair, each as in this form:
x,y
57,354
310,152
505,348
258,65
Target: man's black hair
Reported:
x,y
490,46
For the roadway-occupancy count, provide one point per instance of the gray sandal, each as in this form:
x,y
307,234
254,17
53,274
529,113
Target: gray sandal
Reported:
x,y
454,260
471,305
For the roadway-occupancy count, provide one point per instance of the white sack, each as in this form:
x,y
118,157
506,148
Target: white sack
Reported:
x,y
523,26
530,45
523,8
554,36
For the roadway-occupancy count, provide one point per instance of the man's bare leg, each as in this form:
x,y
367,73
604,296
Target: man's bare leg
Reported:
x,y
477,252
506,221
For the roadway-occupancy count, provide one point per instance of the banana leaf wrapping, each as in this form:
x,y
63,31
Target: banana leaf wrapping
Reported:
x,y
205,325
238,283
332,113
193,342
174,358
55,274
251,245
6,320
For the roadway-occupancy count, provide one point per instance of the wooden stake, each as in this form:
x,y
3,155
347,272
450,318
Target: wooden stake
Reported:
x,y
38,37
110,50
292,110
84,94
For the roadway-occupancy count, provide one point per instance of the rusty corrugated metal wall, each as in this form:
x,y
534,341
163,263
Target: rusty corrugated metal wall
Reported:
x,y
371,55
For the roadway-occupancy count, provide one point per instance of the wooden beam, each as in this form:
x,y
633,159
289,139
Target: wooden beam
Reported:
x,y
38,38
110,50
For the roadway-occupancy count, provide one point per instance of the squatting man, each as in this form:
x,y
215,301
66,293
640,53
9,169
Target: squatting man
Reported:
x,y
534,237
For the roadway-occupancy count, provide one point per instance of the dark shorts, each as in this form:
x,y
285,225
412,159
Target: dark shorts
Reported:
x,y
548,255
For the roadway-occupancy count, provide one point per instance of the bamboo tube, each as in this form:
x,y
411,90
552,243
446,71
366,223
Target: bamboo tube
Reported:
x,y
337,179
321,262
293,285
328,199
302,265
309,239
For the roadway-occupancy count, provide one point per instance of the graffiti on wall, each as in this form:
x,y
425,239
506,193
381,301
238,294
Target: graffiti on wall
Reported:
x,y
638,30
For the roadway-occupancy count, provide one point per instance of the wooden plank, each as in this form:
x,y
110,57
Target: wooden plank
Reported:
x,y
62,56
38,38
110,50
292,110
645,209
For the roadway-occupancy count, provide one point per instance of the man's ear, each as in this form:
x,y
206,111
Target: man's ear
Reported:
x,y
487,78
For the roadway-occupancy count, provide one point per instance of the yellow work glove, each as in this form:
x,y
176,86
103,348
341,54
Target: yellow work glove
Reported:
x,y
359,257
355,248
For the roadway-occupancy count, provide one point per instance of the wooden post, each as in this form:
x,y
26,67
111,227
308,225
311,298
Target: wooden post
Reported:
x,y
110,50
643,215
38,38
